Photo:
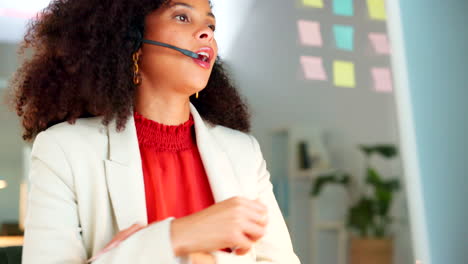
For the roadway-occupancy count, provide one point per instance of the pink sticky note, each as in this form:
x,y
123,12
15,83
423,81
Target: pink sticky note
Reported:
x,y
309,33
313,68
382,80
16,13
380,43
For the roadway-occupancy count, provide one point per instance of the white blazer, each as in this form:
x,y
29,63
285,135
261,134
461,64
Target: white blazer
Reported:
x,y
86,184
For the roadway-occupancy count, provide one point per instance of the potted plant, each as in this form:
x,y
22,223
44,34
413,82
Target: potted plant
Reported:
x,y
368,216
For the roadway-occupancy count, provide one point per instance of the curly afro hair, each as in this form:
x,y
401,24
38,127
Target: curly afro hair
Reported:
x,y
82,67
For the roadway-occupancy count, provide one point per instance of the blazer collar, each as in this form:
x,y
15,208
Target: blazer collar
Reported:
x,y
124,173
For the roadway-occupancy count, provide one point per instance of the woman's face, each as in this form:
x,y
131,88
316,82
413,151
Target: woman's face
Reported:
x,y
187,24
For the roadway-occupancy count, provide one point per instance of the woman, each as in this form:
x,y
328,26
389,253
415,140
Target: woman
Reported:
x,y
128,133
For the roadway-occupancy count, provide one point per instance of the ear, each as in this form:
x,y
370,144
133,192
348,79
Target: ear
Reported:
x,y
135,34
139,52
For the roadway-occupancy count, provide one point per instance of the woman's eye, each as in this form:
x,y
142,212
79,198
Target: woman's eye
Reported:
x,y
182,18
213,27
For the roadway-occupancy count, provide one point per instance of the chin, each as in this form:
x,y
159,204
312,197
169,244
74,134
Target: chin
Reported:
x,y
198,85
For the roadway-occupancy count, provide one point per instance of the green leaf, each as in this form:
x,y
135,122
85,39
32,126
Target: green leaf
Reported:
x,y
373,177
329,178
383,201
387,151
367,150
383,192
393,184
384,150
360,217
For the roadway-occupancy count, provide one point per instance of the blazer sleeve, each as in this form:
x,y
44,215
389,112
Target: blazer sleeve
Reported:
x,y
275,247
52,226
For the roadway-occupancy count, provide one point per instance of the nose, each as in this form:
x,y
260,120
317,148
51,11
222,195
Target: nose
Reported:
x,y
205,34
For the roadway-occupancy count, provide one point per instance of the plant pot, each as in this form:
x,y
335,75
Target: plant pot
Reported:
x,y
371,251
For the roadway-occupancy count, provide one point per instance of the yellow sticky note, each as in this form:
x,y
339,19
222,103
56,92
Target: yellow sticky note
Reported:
x,y
377,9
344,75
313,3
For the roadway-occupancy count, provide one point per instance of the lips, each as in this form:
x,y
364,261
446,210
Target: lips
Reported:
x,y
206,56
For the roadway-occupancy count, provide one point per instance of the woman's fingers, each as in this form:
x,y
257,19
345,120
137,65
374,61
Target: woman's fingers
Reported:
x,y
255,212
259,219
243,245
254,231
257,206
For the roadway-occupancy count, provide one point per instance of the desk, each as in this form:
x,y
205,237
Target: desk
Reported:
x,y
8,241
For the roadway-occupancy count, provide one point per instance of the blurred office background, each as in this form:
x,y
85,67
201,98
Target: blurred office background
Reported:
x,y
324,77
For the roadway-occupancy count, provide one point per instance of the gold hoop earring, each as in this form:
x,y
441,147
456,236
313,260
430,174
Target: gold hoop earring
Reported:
x,y
196,95
136,79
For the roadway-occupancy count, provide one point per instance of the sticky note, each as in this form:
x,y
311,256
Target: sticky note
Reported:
x,y
382,80
310,33
313,3
16,13
344,37
343,7
377,9
344,75
313,68
380,43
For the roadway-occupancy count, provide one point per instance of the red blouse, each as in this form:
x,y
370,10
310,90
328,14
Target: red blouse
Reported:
x,y
175,179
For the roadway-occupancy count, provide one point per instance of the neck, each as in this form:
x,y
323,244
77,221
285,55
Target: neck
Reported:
x,y
162,105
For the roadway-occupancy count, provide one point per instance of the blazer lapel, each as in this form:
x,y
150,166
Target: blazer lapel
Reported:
x,y
124,176
219,169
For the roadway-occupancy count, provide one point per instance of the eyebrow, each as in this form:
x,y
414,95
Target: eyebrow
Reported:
x,y
173,4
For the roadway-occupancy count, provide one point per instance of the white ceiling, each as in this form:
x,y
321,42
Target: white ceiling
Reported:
x,y
14,15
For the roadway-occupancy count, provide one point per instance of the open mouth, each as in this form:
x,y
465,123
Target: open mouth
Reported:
x,y
204,56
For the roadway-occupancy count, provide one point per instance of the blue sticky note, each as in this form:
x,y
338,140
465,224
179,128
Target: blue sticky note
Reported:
x,y
343,7
344,37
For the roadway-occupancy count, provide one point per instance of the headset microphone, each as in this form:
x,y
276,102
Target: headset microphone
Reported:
x,y
183,51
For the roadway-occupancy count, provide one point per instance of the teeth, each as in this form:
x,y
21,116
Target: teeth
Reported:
x,y
204,54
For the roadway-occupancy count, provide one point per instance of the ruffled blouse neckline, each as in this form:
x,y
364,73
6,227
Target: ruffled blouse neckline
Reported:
x,y
162,137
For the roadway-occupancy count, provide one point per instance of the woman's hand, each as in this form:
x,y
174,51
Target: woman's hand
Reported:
x,y
202,258
235,223
119,238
